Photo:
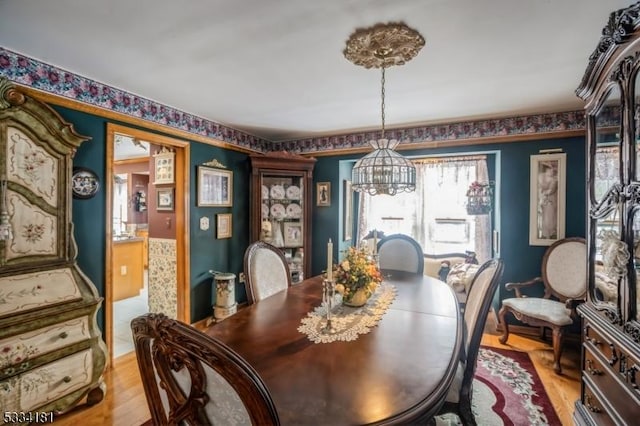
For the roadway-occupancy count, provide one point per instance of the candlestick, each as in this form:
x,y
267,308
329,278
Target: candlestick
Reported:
x,y
330,260
328,293
375,242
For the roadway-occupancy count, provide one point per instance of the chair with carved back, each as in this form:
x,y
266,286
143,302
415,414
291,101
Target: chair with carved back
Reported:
x,y
564,276
190,378
266,271
400,252
479,298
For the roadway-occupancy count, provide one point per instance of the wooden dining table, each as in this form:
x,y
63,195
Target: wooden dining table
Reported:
x,y
398,373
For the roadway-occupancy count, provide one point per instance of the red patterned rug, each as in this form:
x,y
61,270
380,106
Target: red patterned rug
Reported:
x,y
507,391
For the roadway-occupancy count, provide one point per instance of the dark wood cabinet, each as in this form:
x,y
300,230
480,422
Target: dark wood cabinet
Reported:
x,y
611,316
281,197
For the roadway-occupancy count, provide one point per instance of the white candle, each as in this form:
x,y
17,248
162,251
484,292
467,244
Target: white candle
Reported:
x,y
375,242
330,260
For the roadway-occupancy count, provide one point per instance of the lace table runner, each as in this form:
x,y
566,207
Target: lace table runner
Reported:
x,y
349,322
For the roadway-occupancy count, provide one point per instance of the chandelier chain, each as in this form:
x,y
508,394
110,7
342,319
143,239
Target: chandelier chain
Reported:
x,y
382,103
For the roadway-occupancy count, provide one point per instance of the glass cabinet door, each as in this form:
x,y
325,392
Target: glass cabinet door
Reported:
x,y
634,290
610,265
282,217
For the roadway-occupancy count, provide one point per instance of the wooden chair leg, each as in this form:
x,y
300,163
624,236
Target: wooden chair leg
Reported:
x,y
465,413
558,333
505,327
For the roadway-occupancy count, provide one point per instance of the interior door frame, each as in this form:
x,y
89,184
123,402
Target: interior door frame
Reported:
x,y
182,202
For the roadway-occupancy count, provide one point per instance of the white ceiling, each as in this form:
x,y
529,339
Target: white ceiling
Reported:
x,y
275,69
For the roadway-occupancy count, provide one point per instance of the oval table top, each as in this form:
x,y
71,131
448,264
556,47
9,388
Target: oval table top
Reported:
x,y
398,373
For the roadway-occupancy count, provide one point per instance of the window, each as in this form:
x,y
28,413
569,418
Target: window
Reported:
x,y
435,215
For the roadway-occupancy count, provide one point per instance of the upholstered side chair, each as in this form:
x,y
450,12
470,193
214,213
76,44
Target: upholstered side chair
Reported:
x,y
564,275
266,271
400,252
479,298
190,378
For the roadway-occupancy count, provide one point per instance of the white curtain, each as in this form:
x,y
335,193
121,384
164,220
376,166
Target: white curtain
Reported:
x,y
483,222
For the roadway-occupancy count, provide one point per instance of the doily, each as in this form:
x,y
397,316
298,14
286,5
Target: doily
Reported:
x,y
349,322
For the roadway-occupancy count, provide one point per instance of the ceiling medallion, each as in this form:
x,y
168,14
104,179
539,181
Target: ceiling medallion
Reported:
x,y
383,45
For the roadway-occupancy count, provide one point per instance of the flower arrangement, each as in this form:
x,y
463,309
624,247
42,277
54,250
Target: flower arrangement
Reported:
x,y
479,198
356,274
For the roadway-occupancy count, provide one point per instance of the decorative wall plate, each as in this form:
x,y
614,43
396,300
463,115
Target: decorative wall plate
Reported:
x,y
293,192
277,191
265,211
278,211
265,192
294,211
84,183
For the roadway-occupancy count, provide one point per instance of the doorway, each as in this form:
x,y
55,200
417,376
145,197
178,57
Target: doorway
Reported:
x,y
147,231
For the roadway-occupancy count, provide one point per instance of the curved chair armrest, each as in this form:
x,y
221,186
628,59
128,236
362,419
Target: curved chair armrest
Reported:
x,y
518,286
572,304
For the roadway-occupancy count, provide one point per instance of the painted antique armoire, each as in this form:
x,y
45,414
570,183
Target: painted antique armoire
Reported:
x,y
52,355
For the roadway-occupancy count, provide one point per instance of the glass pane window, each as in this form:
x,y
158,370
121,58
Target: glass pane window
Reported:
x,y
435,214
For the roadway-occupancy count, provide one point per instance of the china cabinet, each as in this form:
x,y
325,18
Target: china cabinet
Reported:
x,y
610,392
52,355
281,200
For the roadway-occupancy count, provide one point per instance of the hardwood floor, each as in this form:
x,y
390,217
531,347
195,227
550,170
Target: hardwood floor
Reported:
x,y
125,403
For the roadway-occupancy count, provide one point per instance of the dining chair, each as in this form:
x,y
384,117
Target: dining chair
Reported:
x,y
400,252
190,378
564,275
266,271
479,299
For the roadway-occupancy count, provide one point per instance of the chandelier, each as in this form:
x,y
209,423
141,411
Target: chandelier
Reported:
x,y
383,171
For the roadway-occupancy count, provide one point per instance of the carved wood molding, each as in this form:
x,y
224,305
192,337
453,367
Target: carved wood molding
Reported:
x,y
383,45
621,26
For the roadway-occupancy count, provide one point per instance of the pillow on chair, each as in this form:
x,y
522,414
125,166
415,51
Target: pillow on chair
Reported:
x,y
461,275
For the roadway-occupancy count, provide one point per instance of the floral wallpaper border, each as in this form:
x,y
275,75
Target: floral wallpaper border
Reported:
x,y
39,75
51,79
464,131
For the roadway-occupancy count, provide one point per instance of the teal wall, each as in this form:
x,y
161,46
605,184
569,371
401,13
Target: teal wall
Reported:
x,y
207,252
522,261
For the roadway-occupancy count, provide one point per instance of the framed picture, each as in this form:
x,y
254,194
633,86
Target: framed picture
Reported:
x,y
323,194
223,225
164,161
347,226
165,199
547,198
292,234
215,187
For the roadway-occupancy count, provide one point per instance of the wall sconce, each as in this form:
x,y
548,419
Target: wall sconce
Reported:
x,y
6,232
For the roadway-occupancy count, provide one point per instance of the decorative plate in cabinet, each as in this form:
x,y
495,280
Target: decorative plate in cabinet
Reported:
x,y
278,211
294,211
277,191
293,192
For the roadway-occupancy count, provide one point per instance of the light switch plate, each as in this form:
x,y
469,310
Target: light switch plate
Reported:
x,y
204,223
